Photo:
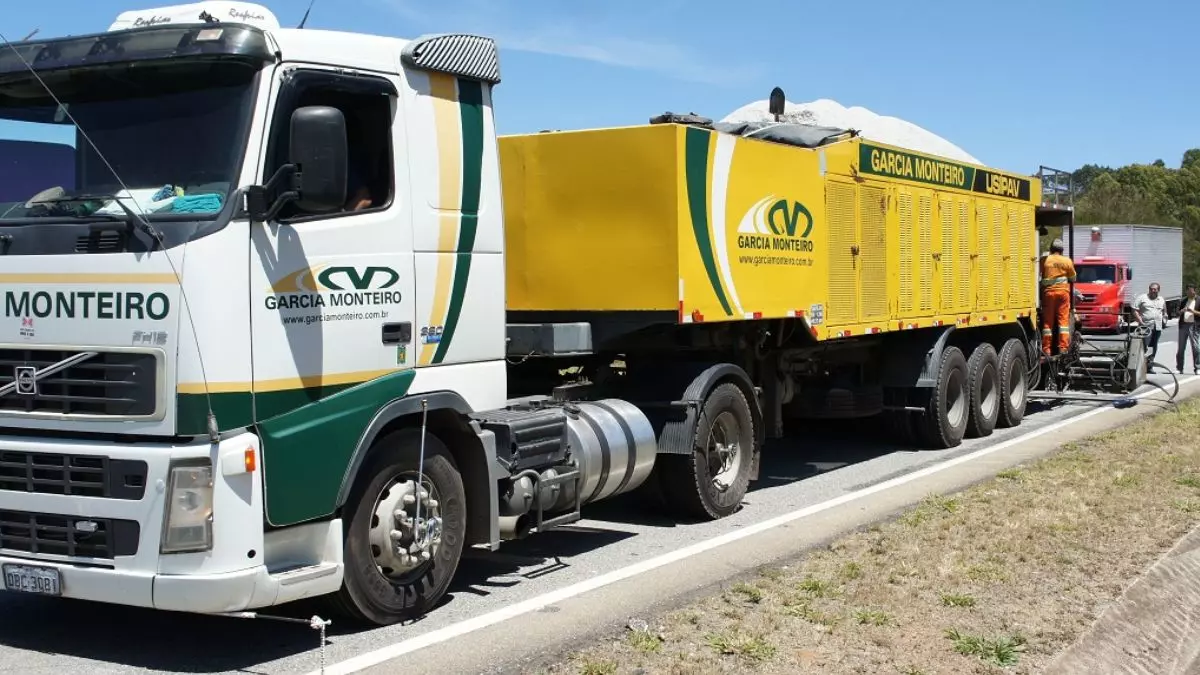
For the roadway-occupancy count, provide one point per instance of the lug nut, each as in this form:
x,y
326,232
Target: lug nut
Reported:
x,y
433,503
409,500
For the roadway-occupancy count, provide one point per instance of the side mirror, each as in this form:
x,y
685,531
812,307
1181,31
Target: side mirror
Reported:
x,y
1128,274
318,149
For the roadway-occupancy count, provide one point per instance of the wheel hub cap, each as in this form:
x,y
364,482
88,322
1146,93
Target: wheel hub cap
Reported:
x,y
724,451
406,528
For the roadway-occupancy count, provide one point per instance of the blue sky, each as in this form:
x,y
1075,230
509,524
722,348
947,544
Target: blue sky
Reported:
x,y
1016,83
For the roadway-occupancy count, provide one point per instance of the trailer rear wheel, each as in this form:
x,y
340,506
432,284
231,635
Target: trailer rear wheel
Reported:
x,y
944,421
1014,383
983,380
710,481
383,582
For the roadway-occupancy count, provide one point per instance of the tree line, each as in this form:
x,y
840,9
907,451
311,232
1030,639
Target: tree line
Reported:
x,y
1145,194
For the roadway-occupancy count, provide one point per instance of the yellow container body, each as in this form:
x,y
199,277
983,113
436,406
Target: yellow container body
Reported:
x,y
591,219
856,237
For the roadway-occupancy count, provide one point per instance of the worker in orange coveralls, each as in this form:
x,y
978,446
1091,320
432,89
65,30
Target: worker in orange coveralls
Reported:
x,y
1057,273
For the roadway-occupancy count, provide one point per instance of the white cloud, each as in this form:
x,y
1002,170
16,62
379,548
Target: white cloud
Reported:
x,y
566,37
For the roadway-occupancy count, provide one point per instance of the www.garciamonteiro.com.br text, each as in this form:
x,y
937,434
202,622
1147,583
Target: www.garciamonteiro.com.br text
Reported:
x,y
309,319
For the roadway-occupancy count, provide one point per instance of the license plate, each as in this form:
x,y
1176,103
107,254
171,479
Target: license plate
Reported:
x,y
28,579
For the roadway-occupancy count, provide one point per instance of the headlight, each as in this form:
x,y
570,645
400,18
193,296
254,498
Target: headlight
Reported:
x,y
188,519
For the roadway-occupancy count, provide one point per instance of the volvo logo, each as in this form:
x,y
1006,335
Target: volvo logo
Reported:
x,y
26,379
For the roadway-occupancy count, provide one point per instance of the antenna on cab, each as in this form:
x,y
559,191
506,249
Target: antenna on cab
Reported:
x,y
305,19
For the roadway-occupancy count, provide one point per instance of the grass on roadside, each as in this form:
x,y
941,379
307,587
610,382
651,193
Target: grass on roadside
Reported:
x,y
996,579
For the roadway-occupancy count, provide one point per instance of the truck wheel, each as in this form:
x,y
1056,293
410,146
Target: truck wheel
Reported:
x,y
944,422
983,380
1014,385
710,482
385,579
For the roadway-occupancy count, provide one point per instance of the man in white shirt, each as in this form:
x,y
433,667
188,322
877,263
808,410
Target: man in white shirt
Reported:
x,y
1150,310
1189,331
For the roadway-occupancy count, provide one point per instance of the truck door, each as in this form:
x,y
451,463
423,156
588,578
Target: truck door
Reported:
x,y
331,296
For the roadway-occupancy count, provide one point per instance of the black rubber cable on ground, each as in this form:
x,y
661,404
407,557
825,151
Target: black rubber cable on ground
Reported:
x,y
1127,401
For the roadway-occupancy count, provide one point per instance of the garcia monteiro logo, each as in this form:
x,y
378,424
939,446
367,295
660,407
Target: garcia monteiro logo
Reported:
x,y
335,286
776,224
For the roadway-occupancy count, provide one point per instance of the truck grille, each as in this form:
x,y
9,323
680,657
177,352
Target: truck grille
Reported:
x,y
75,536
108,383
81,475
1087,298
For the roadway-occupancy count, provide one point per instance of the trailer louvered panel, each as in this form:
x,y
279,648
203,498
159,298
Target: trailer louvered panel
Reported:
x,y
949,255
998,263
926,281
1028,262
965,263
872,210
908,291
983,293
843,237
1016,259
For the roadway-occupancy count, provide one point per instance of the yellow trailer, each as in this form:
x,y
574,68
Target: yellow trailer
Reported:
x,y
853,236
841,276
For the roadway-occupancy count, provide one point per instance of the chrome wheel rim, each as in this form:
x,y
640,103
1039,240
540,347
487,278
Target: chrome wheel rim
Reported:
x,y
1016,397
406,528
723,451
989,398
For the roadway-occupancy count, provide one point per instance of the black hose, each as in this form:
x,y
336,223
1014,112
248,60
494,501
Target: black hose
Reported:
x,y
1114,368
1170,395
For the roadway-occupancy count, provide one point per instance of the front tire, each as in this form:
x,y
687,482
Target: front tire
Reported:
x,y
710,482
382,586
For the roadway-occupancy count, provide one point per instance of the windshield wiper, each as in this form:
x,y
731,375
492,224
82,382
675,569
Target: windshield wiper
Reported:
x,y
131,216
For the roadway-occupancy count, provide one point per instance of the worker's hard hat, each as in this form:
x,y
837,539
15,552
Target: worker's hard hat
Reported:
x,y
1056,244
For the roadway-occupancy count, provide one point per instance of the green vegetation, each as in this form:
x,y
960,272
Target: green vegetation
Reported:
x,y
1152,194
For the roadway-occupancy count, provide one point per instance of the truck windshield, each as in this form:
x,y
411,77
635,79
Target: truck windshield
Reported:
x,y
1096,274
174,132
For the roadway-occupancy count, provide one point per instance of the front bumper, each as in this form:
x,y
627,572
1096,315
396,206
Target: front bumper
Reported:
x,y
211,593
105,542
1099,321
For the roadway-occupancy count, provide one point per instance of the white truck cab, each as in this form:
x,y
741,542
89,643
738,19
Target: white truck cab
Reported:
x,y
274,244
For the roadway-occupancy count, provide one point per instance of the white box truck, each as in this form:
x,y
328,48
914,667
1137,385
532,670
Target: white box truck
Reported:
x,y
1117,263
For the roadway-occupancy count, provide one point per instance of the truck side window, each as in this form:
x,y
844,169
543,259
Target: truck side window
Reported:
x,y
368,104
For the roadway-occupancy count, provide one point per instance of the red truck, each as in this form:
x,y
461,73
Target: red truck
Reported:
x,y
1117,263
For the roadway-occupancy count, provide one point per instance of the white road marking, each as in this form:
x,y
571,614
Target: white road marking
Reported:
x,y
384,654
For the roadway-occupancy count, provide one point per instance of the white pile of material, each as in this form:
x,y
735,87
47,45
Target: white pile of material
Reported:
x,y
881,128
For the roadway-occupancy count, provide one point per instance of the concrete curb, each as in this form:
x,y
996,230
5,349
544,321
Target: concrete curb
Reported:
x,y
1152,629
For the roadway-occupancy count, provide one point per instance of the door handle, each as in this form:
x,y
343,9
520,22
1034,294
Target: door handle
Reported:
x,y
397,333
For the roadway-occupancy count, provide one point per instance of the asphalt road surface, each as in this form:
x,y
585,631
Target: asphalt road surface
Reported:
x,y
56,636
